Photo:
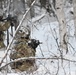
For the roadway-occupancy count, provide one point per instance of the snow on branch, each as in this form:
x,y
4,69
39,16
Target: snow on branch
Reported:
x,y
23,18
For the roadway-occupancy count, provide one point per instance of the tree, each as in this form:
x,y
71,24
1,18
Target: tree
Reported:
x,y
74,7
62,25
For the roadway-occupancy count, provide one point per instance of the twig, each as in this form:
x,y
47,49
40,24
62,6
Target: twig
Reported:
x,y
69,68
38,18
45,68
56,39
58,68
32,24
72,48
61,52
41,51
64,70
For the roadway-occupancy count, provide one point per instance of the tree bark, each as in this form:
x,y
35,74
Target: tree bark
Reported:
x,y
62,25
74,7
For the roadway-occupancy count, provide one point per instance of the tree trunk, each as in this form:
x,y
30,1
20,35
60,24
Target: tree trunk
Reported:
x,y
62,25
74,7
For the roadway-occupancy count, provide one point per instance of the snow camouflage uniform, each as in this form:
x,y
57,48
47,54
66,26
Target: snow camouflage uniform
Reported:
x,y
4,25
22,50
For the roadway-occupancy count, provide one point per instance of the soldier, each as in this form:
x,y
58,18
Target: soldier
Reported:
x,y
24,48
4,25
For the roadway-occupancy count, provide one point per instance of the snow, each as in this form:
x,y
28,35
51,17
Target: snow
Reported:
x,y
12,74
46,31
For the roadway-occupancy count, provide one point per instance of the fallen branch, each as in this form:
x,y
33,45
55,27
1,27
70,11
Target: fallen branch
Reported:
x,y
40,58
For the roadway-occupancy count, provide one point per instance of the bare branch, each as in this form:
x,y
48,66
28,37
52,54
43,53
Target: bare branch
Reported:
x,y
42,58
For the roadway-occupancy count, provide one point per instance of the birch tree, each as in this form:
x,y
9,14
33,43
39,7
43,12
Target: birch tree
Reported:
x,y
62,25
74,7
